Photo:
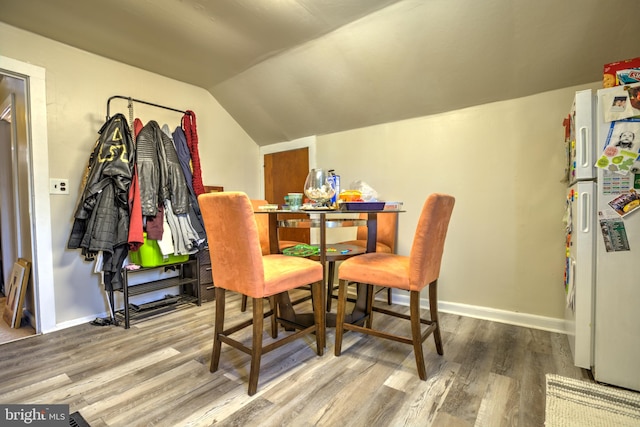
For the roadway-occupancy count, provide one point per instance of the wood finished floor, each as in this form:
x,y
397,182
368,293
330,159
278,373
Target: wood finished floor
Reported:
x,y
156,373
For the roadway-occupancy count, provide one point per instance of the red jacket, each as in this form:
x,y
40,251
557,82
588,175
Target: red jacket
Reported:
x,y
136,238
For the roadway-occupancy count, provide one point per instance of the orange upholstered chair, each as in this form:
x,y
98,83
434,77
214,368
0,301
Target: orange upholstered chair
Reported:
x,y
238,265
263,228
386,234
410,273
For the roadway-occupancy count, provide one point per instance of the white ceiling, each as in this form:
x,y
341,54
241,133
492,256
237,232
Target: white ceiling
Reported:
x,y
286,69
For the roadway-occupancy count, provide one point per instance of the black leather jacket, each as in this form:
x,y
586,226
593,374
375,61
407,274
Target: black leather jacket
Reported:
x,y
159,172
103,209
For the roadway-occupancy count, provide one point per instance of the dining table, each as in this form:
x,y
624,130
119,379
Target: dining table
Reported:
x,y
323,219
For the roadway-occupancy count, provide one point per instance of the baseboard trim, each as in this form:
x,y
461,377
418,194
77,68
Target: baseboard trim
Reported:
x,y
549,324
78,321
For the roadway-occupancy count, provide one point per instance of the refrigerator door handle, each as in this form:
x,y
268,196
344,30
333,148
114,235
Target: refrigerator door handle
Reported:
x,y
571,290
585,146
585,218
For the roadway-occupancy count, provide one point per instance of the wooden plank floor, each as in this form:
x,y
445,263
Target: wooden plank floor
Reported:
x,y
156,373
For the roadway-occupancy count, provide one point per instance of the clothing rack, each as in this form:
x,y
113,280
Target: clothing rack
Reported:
x,y
131,100
128,98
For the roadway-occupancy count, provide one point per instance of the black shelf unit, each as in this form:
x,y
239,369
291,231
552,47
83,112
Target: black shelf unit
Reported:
x,y
188,280
207,288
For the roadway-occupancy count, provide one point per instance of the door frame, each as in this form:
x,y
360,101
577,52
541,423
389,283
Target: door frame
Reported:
x,y
39,203
306,142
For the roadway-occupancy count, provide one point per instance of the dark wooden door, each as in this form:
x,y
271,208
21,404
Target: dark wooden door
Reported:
x,y
285,172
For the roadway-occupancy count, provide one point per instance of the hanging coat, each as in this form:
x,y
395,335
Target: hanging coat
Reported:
x,y
195,216
159,172
101,220
136,227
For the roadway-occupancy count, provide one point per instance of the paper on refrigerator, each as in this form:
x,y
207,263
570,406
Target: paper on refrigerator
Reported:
x,y
620,153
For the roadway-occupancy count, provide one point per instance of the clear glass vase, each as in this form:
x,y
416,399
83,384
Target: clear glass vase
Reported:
x,y
318,187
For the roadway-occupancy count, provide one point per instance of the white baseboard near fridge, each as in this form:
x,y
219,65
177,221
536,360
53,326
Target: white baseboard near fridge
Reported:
x,y
550,324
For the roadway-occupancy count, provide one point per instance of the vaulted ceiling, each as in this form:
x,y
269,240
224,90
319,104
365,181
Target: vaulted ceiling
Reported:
x,y
286,69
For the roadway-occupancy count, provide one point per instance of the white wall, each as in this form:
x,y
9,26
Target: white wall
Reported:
x,y
78,86
504,163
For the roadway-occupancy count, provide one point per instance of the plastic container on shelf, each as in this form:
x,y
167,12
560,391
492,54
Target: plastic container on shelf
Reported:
x,y
149,255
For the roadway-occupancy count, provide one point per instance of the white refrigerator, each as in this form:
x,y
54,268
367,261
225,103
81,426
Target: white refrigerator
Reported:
x,y
602,286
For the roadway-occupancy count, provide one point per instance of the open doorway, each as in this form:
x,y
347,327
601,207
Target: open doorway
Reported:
x,y
28,233
8,235
15,194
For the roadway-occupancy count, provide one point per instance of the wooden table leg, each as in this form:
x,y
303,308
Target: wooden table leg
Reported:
x,y
289,318
274,246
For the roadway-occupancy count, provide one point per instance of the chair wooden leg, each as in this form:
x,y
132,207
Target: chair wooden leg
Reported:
x,y
433,311
218,327
416,333
243,304
389,295
342,306
256,347
330,276
319,317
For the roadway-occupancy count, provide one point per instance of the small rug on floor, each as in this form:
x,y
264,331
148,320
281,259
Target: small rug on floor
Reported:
x,y
581,403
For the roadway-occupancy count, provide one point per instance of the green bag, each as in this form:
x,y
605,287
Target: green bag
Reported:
x,y
302,250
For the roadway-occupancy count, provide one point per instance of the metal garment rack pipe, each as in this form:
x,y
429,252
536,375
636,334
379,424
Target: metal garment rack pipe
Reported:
x,y
128,98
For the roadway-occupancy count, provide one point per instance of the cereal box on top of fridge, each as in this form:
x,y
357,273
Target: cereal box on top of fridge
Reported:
x,y
628,76
610,78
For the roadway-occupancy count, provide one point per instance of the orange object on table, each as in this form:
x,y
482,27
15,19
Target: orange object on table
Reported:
x,y
350,196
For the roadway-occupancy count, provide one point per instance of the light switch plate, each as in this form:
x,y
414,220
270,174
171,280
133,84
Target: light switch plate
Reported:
x,y
58,186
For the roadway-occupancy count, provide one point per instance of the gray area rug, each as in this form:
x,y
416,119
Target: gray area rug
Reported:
x,y
579,403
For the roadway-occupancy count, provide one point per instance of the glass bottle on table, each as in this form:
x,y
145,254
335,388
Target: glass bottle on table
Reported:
x,y
319,186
